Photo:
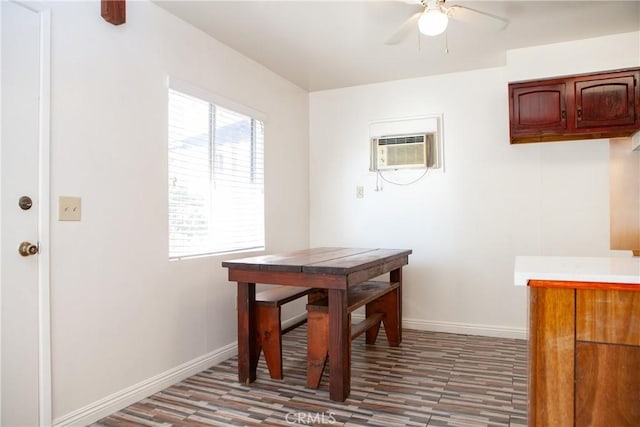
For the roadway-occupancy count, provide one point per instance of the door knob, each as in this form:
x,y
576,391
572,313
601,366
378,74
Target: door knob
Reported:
x,y
25,203
27,248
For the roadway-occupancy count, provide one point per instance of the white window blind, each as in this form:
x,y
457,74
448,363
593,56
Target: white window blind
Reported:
x,y
216,178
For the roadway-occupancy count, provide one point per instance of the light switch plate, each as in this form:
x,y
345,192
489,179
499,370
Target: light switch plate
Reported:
x,y
69,208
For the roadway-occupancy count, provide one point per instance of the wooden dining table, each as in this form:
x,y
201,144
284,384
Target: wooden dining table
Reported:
x,y
332,268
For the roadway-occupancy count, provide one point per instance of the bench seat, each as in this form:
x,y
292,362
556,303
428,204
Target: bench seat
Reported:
x,y
381,301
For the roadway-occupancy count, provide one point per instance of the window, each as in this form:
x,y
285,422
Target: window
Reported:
x,y
216,177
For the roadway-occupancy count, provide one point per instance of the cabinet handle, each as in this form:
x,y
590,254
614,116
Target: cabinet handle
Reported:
x,y
579,113
564,114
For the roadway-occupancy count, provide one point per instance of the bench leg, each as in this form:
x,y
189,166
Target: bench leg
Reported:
x,y
388,305
270,339
317,346
371,335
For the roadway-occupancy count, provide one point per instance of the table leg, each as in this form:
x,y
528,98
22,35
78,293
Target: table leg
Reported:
x,y
396,276
247,342
339,346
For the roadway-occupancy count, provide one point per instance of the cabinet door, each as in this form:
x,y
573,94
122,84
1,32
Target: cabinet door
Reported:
x,y
607,385
608,316
605,101
538,109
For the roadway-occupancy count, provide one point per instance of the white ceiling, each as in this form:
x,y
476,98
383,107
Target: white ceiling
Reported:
x,y
331,44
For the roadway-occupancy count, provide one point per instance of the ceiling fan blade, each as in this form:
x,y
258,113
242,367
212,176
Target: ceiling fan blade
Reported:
x,y
477,18
405,29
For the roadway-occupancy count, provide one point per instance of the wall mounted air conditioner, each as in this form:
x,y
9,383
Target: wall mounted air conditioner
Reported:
x,y
402,151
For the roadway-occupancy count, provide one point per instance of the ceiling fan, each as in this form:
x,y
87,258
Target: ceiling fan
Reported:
x,y
432,17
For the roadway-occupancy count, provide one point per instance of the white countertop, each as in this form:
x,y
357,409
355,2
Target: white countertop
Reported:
x,y
577,269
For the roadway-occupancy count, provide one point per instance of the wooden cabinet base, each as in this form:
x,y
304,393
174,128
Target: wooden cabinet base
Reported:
x,y
584,354
607,385
551,356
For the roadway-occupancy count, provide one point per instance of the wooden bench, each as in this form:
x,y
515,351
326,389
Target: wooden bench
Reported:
x,y
268,324
381,301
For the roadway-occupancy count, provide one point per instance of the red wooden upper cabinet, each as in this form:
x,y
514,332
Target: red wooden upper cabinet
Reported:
x,y
603,101
588,106
539,106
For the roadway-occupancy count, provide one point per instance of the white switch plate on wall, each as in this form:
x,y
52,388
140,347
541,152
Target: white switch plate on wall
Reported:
x,y
69,208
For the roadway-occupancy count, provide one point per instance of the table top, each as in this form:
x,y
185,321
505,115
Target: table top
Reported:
x,y
326,260
577,269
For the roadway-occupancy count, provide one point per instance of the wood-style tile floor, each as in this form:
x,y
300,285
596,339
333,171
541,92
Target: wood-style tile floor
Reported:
x,y
432,379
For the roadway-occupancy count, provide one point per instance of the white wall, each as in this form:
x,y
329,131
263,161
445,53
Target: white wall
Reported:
x,y
492,202
575,57
121,312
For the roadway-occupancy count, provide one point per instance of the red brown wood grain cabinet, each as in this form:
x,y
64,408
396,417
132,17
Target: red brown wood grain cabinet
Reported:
x,y
584,354
585,106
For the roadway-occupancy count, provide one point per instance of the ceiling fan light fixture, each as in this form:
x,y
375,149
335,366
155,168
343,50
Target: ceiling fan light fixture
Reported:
x,y
433,22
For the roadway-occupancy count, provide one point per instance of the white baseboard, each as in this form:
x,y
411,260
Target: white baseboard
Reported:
x,y
461,328
466,328
137,392
294,320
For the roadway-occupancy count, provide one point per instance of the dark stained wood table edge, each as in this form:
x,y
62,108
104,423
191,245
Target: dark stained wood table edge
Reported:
x,y
326,260
287,261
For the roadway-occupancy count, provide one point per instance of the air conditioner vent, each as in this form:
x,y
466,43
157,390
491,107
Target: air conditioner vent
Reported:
x,y
402,151
408,139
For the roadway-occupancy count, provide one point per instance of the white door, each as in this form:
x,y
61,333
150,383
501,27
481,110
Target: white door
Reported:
x,y
24,320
